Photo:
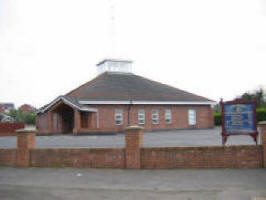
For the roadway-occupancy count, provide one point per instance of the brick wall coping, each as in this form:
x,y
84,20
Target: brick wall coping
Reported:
x,y
134,128
20,131
106,150
237,148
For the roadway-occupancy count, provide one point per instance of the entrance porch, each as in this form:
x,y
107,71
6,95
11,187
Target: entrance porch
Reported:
x,y
65,119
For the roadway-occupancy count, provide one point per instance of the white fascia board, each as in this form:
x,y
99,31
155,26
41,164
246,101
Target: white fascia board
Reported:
x,y
104,102
149,102
68,103
89,109
79,108
49,105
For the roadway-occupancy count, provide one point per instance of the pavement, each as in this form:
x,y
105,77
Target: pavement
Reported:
x,y
99,184
206,137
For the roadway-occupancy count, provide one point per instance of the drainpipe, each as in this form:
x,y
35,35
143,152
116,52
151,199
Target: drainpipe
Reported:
x,y
97,115
128,113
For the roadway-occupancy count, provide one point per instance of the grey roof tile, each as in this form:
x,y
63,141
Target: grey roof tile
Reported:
x,y
127,86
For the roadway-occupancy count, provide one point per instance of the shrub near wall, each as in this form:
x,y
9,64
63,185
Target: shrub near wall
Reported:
x,y
217,119
261,114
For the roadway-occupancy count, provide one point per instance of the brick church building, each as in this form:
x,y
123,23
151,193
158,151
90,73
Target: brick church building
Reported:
x,y
117,98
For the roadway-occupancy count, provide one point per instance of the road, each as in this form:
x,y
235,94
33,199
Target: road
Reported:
x,y
70,183
208,137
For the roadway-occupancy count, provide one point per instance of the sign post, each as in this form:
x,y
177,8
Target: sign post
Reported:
x,y
238,118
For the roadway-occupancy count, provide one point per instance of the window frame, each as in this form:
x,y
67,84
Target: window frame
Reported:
x,y
192,117
168,116
118,114
155,116
141,116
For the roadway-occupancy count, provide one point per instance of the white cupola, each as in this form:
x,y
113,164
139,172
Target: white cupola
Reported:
x,y
113,65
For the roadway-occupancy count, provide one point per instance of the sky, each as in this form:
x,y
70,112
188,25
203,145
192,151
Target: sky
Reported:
x,y
216,49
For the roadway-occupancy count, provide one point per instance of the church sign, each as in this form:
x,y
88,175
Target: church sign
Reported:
x,y
239,118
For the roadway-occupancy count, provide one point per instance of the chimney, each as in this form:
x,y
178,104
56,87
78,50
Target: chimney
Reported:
x,y
113,65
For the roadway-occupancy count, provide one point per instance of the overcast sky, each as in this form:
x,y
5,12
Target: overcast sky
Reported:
x,y
208,47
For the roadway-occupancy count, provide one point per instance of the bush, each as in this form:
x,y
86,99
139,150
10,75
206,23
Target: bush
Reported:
x,y
29,118
217,119
25,117
261,116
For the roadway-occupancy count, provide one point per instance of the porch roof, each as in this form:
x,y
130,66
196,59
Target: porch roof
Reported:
x,y
69,101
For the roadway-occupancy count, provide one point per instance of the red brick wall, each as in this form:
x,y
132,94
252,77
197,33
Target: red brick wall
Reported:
x,y
134,156
134,142
107,120
42,122
78,157
179,117
202,157
9,129
8,157
151,158
25,142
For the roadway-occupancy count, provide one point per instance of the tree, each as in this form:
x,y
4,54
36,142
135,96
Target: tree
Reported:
x,y
257,95
26,117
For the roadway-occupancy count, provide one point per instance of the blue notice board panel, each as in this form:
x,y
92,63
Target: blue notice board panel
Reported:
x,y
239,118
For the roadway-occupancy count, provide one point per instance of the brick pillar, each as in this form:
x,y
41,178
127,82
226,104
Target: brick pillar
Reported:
x,y
50,121
134,140
25,142
262,126
77,121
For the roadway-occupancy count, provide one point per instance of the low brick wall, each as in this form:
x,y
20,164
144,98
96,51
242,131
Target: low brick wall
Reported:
x,y
8,157
134,156
202,157
78,157
150,158
9,129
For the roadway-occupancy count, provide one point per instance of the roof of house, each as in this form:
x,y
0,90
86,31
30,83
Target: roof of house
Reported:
x,y
111,86
125,87
73,102
6,118
27,107
7,105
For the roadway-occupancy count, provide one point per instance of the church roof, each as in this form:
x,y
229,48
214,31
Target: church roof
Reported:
x,y
111,86
125,88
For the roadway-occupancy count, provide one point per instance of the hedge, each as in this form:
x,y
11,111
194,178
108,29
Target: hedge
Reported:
x,y
217,119
261,116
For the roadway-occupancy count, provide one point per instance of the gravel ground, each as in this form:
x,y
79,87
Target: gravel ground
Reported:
x,y
209,137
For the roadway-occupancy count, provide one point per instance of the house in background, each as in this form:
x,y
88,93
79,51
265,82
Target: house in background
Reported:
x,y
6,107
117,98
6,118
27,108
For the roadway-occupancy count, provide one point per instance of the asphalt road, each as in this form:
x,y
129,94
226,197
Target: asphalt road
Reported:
x,y
70,183
209,137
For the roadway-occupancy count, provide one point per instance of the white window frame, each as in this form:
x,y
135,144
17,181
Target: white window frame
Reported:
x,y
192,117
141,116
155,116
168,116
118,117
